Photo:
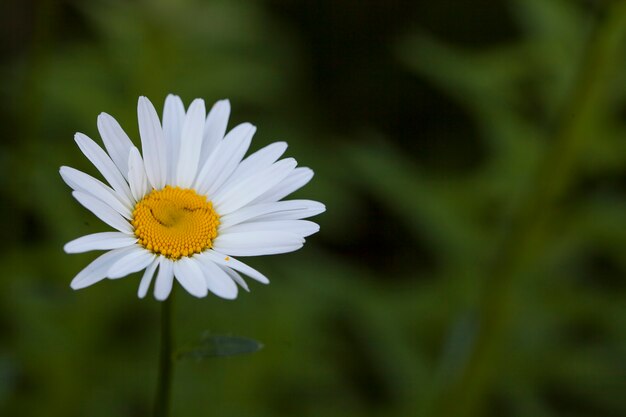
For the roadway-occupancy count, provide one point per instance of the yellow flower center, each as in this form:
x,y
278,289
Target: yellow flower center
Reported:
x,y
175,222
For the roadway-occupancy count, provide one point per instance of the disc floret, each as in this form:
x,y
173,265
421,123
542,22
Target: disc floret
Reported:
x,y
175,222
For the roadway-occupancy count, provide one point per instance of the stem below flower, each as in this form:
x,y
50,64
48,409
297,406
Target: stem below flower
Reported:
x,y
164,384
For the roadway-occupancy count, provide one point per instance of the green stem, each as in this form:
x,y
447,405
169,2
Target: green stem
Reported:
x,y
466,394
164,384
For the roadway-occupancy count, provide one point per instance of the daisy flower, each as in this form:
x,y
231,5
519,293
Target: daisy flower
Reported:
x,y
190,203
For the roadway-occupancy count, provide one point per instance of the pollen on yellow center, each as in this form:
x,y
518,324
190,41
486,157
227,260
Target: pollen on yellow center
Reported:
x,y
175,222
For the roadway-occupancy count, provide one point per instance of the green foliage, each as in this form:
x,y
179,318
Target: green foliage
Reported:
x,y
486,279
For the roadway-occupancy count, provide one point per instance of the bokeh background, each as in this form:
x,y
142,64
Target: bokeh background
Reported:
x,y
472,157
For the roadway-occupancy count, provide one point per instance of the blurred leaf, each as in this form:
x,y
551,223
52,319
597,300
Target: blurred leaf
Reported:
x,y
211,346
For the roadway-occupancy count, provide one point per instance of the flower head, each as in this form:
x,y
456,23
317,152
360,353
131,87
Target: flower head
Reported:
x,y
191,203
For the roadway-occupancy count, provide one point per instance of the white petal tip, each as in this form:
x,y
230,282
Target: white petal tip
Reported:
x,y
144,101
162,296
225,103
248,126
290,161
79,137
104,118
200,295
76,285
227,296
197,102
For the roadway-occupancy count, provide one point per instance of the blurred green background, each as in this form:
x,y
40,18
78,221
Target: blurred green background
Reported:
x,y
472,157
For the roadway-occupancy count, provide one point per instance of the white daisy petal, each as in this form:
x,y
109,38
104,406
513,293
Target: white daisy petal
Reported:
x,y
104,164
190,144
234,275
280,210
257,243
152,143
165,279
173,119
312,210
146,279
259,160
230,262
302,228
214,128
137,177
132,262
189,274
224,160
99,241
241,193
97,270
298,179
103,212
217,281
116,141
79,181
